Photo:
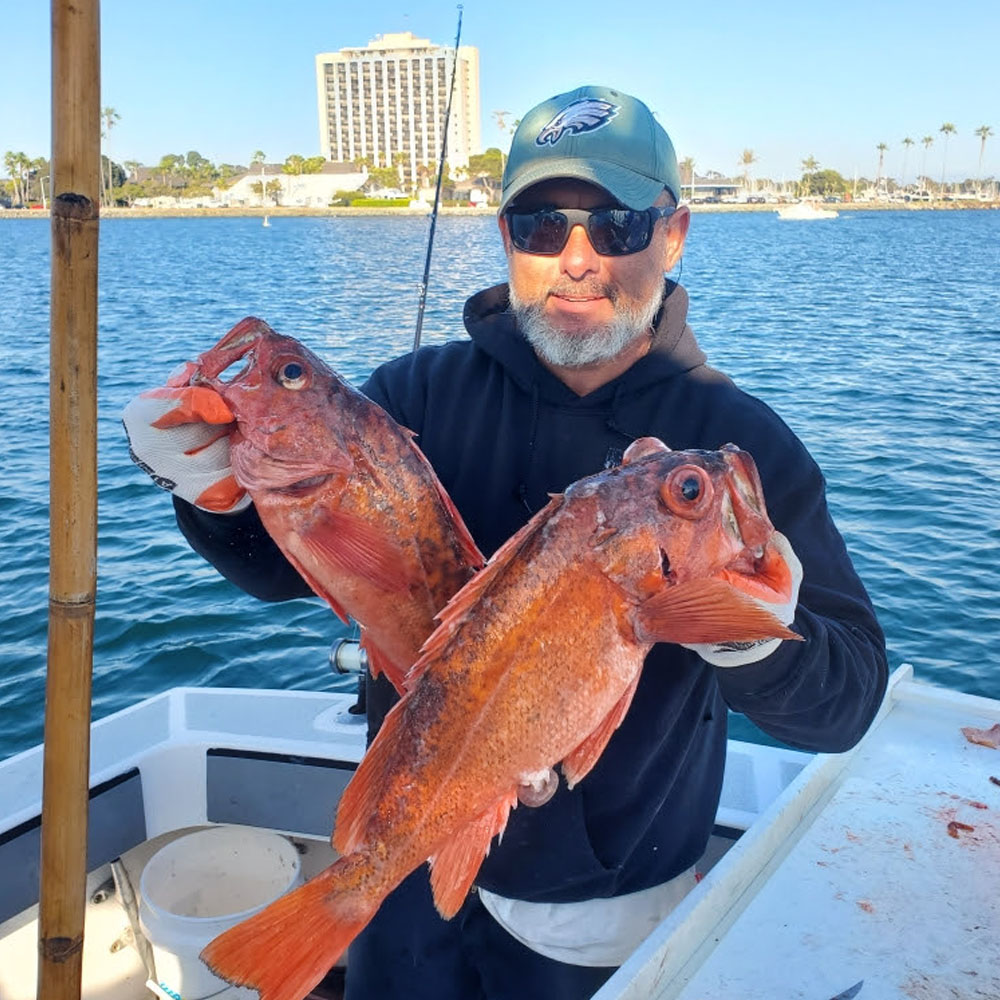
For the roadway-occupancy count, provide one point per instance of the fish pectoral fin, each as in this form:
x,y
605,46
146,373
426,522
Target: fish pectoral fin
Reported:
x,y
379,663
578,763
455,866
356,546
706,611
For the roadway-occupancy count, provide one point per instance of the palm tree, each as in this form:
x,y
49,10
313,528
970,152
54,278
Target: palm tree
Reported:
x,y
258,157
109,118
747,159
38,168
18,165
687,170
881,147
946,130
10,161
928,141
907,142
500,117
809,165
168,165
984,132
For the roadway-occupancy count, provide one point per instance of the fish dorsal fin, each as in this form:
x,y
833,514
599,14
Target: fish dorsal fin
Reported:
x,y
577,764
357,547
363,791
451,616
706,611
379,662
454,867
467,545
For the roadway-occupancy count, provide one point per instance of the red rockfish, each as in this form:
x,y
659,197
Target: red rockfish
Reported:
x,y
342,489
533,665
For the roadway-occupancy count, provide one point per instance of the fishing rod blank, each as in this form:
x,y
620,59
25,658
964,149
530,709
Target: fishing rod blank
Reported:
x,y
437,190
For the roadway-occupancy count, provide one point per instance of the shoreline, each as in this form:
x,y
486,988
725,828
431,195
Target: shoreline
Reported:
x,y
343,211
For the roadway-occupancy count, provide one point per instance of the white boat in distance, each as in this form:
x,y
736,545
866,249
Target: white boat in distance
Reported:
x,y
805,211
823,871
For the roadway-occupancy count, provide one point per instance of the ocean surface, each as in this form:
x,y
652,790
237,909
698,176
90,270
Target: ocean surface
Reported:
x,y
876,336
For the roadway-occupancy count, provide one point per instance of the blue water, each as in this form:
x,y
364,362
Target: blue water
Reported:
x,y
876,336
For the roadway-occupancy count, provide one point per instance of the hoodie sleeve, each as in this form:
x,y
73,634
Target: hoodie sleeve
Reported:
x,y
820,694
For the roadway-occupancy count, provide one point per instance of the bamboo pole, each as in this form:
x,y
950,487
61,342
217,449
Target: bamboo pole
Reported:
x,y
72,493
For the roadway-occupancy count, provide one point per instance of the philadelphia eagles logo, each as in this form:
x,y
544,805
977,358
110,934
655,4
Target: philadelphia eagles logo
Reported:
x,y
584,115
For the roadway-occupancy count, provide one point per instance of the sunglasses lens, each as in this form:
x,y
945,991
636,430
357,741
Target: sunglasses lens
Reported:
x,y
538,232
613,232
616,232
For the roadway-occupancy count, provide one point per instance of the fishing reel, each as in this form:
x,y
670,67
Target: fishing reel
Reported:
x,y
347,657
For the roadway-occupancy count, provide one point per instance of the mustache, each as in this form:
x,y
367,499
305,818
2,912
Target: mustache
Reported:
x,y
591,287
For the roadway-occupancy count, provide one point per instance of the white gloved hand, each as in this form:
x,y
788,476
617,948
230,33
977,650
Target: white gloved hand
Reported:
x,y
739,654
179,435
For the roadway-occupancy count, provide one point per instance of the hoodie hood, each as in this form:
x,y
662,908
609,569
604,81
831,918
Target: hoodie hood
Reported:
x,y
492,327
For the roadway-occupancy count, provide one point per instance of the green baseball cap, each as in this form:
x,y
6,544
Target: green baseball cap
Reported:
x,y
593,134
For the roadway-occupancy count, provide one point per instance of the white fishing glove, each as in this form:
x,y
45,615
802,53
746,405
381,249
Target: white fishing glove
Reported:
x,y
739,654
179,435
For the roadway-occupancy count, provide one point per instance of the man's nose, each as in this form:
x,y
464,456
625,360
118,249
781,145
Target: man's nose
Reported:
x,y
578,257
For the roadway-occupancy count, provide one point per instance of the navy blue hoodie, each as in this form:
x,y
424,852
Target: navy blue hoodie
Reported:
x,y
503,432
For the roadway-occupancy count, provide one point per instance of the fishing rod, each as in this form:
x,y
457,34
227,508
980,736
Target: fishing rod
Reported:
x,y
437,189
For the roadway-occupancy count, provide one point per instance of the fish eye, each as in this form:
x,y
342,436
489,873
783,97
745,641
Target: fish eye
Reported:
x,y
293,375
687,491
690,488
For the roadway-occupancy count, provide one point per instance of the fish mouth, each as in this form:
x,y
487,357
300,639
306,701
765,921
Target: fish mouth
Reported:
x,y
257,470
302,487
760,568
761,572
232,348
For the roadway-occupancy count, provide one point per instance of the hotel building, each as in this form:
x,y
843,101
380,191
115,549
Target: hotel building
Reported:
x,y
387,101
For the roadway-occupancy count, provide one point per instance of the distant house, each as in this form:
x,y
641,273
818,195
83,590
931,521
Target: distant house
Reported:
x,y
297,190
712,188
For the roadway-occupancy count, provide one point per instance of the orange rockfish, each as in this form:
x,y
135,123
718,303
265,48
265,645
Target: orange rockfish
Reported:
x,y
342,489
534,664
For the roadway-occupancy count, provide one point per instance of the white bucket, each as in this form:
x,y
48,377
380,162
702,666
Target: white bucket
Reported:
x,y
200,885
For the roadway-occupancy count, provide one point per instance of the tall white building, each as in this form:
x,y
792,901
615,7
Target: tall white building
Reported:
x,y
387,101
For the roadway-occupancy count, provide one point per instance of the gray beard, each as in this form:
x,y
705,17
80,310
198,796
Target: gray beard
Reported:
x,y
578,348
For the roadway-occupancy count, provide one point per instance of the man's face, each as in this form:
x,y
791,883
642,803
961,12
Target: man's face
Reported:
x,y
579,307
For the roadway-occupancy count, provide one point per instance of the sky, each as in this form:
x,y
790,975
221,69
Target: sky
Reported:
x,y
787,80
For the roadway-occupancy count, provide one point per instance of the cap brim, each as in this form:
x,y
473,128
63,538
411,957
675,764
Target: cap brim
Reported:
x,y
625,185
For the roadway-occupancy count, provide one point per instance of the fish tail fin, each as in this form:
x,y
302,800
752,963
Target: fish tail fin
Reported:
x,y
287,948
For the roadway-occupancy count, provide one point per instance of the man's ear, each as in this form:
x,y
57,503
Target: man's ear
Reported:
x,y
677,230
504,235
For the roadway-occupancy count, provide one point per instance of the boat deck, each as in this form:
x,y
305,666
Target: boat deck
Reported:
x,y
195,757
880,867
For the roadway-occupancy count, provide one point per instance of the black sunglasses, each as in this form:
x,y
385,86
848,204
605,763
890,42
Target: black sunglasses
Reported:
x,y
613,232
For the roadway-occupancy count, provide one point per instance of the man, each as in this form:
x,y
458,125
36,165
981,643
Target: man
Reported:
x,y
583,351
